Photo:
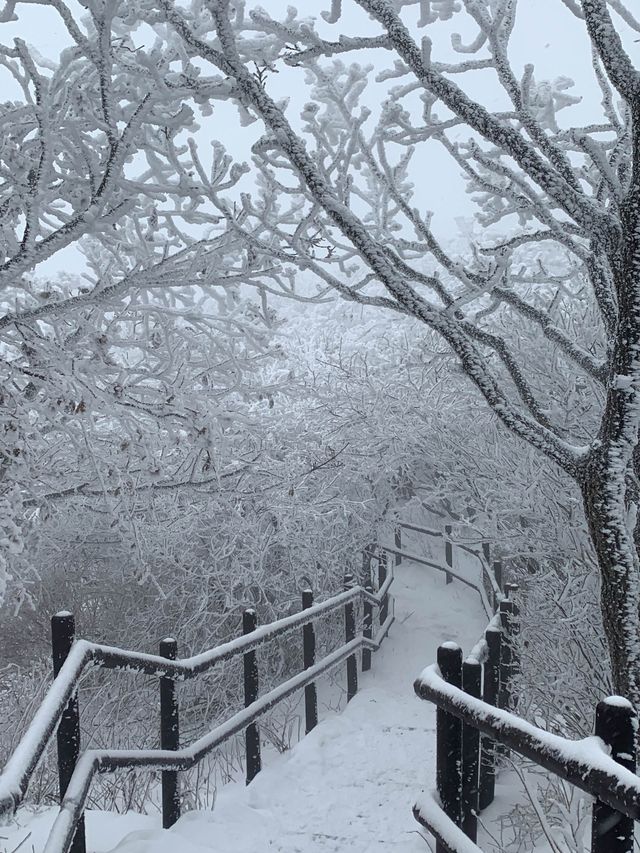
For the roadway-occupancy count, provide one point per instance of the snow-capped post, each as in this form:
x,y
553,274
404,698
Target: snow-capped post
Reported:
x,y
169,736
367,627
398,543
448,551
616,724
382,576
449,739
491,683
471,684
309,659
350,634
63,634
251,735
510,589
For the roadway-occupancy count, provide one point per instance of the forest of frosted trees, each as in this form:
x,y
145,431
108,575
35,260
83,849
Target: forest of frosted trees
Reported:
x,y
269,276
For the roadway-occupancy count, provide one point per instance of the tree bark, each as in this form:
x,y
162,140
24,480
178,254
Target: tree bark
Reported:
x,y
609,480
618,563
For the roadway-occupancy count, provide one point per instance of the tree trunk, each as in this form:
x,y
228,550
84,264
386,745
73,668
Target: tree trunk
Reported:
x,y
609,479
618,562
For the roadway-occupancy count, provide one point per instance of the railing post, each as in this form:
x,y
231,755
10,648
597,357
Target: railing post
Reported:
x,y
507,616
511,590
448,551
506,699
63,632
398,543
169,736
367,556
472,685
382,576
367,627
252,735
497,573
616,724
486,552
309,659
449,740
350,634
493,637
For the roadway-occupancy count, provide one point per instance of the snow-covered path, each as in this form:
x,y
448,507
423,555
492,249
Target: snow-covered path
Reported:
x,y
350,784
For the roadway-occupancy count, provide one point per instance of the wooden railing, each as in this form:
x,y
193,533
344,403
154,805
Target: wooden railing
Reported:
x,y
59,712
490,591
475,721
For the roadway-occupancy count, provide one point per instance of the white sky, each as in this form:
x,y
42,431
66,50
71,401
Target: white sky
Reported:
x,y
546,35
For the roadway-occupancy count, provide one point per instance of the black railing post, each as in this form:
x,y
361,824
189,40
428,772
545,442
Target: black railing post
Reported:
x,y
382,576
449,740
616,724
491,683
472,685
349,635
497,573
510,589
448,551
63,632
252,735
507,615
398,544
514,634
169,736
367,627
309,659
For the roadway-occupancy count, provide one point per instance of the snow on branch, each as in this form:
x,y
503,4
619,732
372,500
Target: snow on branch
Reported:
x,y
624,76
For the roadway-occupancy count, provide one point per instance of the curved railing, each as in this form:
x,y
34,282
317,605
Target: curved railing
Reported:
x,y
490,590
59,707
476,698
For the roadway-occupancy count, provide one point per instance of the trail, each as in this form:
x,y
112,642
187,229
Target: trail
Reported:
x,y
350,784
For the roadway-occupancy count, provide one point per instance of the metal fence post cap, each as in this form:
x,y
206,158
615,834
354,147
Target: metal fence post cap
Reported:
x,y
168,648
450,663
249,620
618,702
63,627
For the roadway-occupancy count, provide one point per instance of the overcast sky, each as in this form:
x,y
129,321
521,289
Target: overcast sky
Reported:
x,y
546,35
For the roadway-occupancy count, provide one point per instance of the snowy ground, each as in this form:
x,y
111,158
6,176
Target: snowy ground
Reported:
x,y
351,783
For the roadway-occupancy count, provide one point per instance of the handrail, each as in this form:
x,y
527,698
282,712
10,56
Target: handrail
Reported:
x,y
486,568
437,533
583,763
446,570
480,652
95,761
20,767
428,812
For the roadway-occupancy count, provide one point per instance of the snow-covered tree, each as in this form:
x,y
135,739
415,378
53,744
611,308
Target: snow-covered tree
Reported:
x,y
134,373
335,201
